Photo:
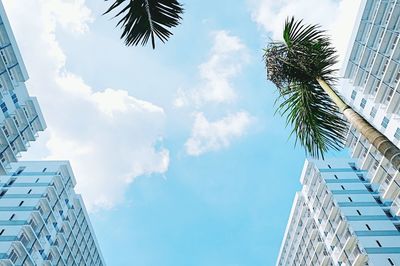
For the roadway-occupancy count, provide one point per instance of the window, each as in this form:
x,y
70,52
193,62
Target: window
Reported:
x,y
397,78
363,103
389,95
50,256
26,113
10,182
397,227
378,200
385,66
13,256
361,177
19,171
397,134
3,107
5,130
353,166
353,94
350,199
369,228
378,243
373,112
395,39
359,213
14,98
16,121
388,213
24,239
385,122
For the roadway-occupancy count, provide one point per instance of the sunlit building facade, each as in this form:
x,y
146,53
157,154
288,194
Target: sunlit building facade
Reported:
x,y
42,220
20,115
339,218
371,85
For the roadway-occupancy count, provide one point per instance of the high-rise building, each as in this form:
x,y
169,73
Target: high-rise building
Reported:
x,y
339,218
42,220
371,74
20,115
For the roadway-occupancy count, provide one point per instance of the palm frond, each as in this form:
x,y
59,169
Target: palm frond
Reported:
x,y
315,119
142,20
293,66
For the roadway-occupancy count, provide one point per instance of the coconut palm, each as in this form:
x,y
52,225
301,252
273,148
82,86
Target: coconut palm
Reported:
x,y
142,20
302,68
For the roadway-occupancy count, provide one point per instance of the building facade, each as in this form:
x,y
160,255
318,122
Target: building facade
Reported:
x,y
42,220
339,218
371,86
20,116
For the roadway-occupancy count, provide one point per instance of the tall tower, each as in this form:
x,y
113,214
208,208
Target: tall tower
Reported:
x,y
20,115
339,218
371,85
42,220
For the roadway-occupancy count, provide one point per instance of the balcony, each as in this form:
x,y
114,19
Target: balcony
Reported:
x,y
393,188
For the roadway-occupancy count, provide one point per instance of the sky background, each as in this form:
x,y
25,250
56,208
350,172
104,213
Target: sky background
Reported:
x,y
176,151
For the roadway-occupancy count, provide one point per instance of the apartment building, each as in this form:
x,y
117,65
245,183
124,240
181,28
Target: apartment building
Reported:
x,y
371,74
20,116
339,218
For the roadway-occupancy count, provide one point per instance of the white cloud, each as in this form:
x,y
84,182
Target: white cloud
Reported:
x,y
337,17
212,136
110,137
228,55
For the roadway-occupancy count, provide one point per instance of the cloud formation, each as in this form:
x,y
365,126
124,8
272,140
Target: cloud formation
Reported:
x,y
109,136
212,136
227,58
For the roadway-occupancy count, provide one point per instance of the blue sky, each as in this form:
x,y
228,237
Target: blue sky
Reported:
x,y
177,152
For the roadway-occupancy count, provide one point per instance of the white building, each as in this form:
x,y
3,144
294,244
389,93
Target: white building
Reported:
x,y
371,86
20,115
338,218
42,220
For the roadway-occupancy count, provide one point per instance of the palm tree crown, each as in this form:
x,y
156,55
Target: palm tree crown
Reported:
x,y
294,65
142,20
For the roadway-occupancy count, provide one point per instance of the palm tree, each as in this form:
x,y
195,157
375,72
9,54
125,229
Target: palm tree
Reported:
x,y
302,68
142,20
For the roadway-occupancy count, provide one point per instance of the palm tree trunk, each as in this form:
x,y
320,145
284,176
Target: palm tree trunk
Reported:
x,y
390,151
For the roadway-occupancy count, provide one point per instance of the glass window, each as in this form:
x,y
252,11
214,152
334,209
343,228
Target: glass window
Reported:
x,y
373,112
14,98
353,94
397,134
363,103
385,122
13,256
3,107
